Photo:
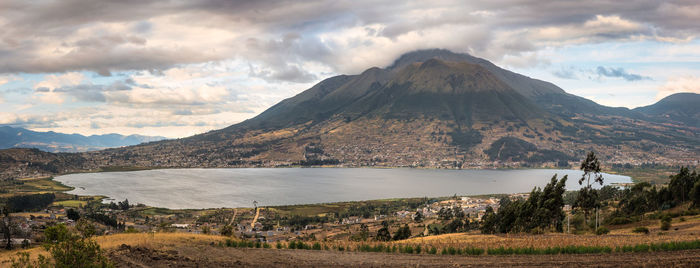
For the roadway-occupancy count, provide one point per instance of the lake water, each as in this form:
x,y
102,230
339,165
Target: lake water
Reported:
x,y
213,188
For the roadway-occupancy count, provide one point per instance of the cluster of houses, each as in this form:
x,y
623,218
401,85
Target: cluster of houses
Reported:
x,y
471,207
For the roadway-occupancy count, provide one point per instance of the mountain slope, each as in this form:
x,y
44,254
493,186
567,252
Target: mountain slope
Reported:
x,y
11,137
430,108
680,107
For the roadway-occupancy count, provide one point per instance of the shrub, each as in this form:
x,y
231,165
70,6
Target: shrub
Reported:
x,y
432,251
226,230
643,230
601,231
473,251
620,221
79,253
665,225
57,233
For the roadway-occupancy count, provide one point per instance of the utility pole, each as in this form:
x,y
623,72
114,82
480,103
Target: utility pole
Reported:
x,y
568,224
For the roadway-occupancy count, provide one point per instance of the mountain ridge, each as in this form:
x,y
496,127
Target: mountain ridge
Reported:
x,y
13,137
681,107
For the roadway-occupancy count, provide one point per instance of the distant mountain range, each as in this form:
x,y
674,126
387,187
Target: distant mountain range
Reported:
x,y
433,108
11,137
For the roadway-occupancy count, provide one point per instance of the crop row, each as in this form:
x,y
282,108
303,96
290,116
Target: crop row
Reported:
x,y
418,249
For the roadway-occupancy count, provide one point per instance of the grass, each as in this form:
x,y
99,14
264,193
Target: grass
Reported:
x,y
326,208
150,240
167,240
654,175
70,203
123,168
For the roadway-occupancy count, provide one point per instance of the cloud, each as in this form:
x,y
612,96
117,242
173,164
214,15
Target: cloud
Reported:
x,y
53,81
687,83
9,78
94,93
156,35
619,73
143,63
566,73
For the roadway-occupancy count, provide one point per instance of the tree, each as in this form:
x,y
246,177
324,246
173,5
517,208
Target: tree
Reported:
x,y
124,205
591,167
587,196
682,183
418,217
72,214
226,230
695,194
488,221
57,233
5,225
383,233
86,228
402,233
542,210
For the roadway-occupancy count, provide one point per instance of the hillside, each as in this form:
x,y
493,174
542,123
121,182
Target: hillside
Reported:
x,y
18,163
431,108
11,137
679,107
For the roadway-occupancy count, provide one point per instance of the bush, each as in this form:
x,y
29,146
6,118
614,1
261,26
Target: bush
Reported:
x,y
601,231
642,230
665,225
226,230
620,221
79,253
432,251
57,233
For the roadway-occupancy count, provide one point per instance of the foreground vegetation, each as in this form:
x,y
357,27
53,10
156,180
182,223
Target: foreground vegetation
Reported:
x,y
450,250
640,218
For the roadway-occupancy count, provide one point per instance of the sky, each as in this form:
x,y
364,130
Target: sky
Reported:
x,y
175,68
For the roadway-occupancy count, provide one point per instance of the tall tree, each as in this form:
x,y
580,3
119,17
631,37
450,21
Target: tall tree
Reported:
x,y
681,184
5,225
587,197
591,167
489,221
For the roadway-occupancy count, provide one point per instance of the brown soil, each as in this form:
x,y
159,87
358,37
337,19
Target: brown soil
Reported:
x,y
209,256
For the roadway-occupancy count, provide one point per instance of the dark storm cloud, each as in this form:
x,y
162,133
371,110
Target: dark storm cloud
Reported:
x,y
490,28
619,73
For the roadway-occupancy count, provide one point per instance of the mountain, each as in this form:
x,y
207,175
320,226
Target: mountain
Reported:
x,y
430,108
11,137
679,107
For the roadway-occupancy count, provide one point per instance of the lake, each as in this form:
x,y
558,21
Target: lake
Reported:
x,y
238,187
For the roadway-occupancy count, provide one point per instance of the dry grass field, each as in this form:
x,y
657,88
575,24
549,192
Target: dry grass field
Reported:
x,y
192,250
